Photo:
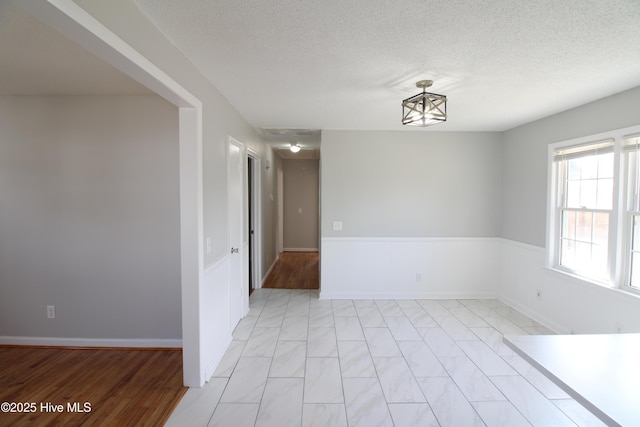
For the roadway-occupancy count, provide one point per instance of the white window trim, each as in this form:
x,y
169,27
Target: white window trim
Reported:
x,y
627,212
619,242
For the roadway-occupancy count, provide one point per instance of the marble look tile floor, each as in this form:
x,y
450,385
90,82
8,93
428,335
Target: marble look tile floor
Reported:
x,y
300,361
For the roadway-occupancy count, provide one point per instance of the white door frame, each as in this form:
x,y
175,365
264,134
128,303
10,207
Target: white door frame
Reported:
x,y
68,18
280,236
256,202
238,280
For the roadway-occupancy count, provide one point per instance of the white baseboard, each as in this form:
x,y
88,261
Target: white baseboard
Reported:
x,y
270,269
216,357
91,342
534,315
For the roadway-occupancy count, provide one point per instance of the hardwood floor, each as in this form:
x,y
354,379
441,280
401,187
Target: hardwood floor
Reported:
x,y
295,270
114,387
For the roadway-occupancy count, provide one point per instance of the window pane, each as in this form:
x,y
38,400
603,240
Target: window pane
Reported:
x,y
632,180
635,255
588,193
605,165
590,182
569,224
568,253
589,167
584,243
601,228
583,226
583,257
573,194
635,270
636,233
605,194
573,171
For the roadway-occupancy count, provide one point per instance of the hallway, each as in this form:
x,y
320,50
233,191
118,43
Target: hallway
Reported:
x,y
295,270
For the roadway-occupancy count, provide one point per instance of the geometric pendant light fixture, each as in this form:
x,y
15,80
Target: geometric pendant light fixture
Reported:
x,y
424,109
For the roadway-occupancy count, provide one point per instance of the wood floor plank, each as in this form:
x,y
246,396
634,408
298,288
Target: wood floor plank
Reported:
x,y
123,386
295,270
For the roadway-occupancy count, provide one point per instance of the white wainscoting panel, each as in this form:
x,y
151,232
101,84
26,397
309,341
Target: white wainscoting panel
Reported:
x,y
215,306
566,304
369,268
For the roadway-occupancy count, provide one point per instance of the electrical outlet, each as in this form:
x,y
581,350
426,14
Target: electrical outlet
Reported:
x,y
51,312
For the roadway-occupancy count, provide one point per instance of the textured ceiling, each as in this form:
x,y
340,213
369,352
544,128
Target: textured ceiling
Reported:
x,y
37,60
335,64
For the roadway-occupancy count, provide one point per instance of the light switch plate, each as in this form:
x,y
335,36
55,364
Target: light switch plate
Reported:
x,y
337,225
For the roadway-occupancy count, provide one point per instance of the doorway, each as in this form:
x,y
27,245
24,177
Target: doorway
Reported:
x,y
253,220
300,205
298,223
280,234
236,206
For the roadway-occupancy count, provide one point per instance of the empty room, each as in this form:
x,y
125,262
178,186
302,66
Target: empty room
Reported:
x,y
294,213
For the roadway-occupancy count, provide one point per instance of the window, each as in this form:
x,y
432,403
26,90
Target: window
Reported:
x,y
585,203
594,208
632,154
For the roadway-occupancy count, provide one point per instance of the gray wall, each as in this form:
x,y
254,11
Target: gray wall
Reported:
x,y
59,237
89,217
301,191
411,183
220,121
524,160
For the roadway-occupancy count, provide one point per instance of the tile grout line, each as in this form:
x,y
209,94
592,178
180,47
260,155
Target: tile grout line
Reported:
x,y
499,320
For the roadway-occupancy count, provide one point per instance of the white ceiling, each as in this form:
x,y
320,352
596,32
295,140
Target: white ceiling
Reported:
x,y
329,64
37,60
336,64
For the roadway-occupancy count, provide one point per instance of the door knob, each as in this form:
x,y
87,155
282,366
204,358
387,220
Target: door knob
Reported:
x,y
234,250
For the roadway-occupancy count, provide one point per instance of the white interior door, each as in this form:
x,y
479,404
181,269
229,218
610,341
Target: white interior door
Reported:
x,y
235,187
